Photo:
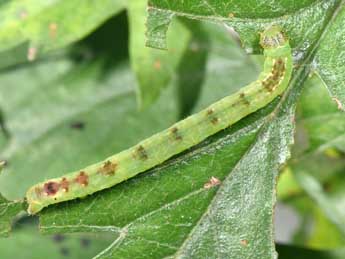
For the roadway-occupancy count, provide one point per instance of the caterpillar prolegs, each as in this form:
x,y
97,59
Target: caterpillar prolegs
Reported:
x,y
186,133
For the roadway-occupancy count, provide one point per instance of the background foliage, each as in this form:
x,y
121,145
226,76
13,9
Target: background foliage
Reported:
x,y
77,84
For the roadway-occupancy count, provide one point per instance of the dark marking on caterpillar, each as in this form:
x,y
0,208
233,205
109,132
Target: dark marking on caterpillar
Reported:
x,y
277,73
82,179
108,168
214,120
175,133
140,153
64,184
244,99
51,188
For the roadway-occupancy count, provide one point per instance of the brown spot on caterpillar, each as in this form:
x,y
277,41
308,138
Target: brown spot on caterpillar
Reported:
x,y
64,184
244,242
140,153
79,125
82,179
212,182
244,100
108,168
213,119
210,111
273,79
174,132
51,188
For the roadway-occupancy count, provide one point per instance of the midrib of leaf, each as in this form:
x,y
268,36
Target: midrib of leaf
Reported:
x,y
296,85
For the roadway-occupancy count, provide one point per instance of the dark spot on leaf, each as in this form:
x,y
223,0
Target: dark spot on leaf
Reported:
x,y
64,251
78,125
244,242
58,238
84,242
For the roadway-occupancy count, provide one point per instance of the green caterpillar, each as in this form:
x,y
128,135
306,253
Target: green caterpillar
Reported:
x,y
184,134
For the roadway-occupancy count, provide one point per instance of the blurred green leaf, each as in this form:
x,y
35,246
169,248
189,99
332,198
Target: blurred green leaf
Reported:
x,y
320,121
330,59
51,24
26,242
8,210
154,68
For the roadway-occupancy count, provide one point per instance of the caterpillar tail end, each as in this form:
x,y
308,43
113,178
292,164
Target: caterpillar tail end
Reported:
x,y
34,208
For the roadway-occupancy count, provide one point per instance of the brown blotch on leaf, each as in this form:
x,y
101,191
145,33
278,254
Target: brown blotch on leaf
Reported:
x,y
32,53
58,238
53,29
79,125
212,182
51,188
108,168
174,132
140,153
157,65
64,184
244,242
82,179
85,242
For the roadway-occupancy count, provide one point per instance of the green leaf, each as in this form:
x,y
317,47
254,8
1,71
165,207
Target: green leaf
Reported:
x,y
316,192
330,62
321,123
51,24
26,242
154,68
8,210
247,19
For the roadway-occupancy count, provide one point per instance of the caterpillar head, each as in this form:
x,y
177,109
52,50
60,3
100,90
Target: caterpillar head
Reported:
x,y
272,37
